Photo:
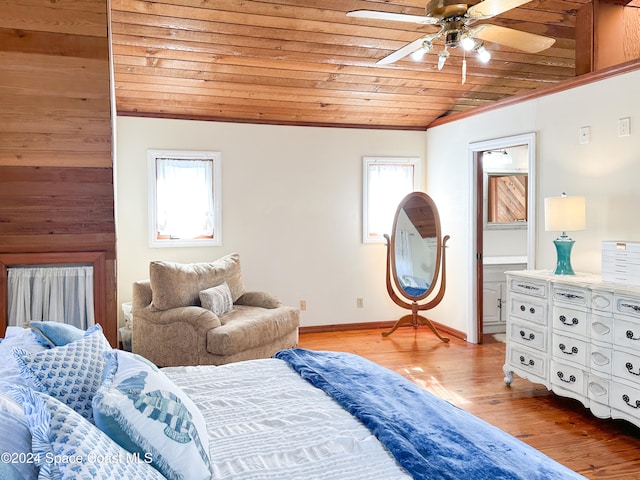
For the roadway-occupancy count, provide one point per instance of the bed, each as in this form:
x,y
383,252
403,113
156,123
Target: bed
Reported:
x,y
300,415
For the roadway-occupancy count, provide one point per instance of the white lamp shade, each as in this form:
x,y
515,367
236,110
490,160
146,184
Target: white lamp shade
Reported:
x,y
564,214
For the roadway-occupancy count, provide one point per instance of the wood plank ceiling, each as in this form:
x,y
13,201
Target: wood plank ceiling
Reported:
x,y
306,62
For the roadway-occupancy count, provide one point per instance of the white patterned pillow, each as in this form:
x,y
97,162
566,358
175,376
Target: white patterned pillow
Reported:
x,y
217,299
71,373
67,446
140,408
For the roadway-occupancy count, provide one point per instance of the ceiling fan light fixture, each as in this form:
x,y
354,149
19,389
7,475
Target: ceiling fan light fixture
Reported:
x,y
483,54
426,47
467,43
442,58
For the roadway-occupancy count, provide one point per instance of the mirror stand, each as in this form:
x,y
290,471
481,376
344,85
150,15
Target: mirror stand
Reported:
x,y
415,319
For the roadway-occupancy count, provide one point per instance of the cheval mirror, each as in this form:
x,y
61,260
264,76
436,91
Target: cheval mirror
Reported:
x,y
416,260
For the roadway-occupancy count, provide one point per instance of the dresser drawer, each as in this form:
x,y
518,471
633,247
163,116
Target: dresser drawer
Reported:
x,y
537,288
572,295
625,399
527,360
598,389
569,320
569,349
626,366
568,377
600,359
626,333
526,333
527,308
601,328
601,300
627,305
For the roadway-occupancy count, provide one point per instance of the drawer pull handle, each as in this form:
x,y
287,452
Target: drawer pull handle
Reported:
x,y
629,366
570,296
630,335
625,397
528,287
574,321
572,378
574,350
635,308
532,310
531,363
524,336
522,308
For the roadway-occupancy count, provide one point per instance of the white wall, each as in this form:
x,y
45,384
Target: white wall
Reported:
x,y
606,172
292,208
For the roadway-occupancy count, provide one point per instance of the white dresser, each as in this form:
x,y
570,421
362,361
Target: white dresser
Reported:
x,y
578,336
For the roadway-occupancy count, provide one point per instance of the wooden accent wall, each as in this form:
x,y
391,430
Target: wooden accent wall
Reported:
x,y
607,34
56,169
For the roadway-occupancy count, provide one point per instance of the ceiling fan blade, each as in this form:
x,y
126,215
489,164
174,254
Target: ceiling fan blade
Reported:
x,y
408,49
395,17
525,41
491,8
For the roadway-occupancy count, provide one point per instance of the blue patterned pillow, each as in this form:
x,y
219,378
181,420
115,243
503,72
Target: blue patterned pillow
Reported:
x,y
55,334
145,412
67,446
71,373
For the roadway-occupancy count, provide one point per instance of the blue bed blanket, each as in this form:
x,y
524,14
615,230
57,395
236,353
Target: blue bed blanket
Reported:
x,y
430,437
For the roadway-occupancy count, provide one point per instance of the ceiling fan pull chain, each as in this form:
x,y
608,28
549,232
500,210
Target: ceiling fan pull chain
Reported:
x,y
464,69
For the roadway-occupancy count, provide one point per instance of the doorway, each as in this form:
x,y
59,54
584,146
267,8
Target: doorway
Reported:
x,y
479,220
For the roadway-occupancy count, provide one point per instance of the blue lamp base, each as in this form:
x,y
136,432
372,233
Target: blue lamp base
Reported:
x,y
563,249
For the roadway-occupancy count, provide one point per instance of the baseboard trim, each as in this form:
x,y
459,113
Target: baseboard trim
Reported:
x,y
344,327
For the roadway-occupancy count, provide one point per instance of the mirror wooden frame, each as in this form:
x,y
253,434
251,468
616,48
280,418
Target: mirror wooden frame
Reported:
x,y
416,200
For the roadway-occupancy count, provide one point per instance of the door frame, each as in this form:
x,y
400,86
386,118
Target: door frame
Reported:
x,y
474,329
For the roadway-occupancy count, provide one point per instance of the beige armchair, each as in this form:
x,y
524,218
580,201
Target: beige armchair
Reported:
x,y
171,325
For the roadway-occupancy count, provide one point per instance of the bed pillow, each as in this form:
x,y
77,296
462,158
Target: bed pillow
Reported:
x,y
79,448
217,299
55,334
140,408
9,370
71,373
15,439
179,284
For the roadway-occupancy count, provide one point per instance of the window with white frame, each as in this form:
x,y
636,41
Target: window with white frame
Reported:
x,y
386,181
184,198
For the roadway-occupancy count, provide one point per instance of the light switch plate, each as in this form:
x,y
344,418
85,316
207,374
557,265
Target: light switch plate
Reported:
x,y
624,127
585,135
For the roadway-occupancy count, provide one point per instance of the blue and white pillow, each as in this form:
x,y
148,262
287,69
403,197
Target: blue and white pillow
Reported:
x,y
71,373
140,408
15,439
67,446
55,334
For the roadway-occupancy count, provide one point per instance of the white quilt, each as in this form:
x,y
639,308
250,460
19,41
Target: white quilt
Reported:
x,y
265,422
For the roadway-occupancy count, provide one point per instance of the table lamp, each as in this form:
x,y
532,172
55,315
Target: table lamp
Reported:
x,y
564,214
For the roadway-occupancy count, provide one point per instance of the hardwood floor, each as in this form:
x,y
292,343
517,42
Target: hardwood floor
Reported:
x,y
470,376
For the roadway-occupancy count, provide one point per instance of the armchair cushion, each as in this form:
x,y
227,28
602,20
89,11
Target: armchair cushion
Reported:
x,y
179,285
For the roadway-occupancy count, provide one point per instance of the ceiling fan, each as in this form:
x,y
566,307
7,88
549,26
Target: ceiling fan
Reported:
x,y
456,21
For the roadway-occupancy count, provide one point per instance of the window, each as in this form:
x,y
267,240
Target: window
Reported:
x,y
184,203
386,182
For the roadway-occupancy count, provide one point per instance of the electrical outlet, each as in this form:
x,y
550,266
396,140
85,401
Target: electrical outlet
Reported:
x,y
624,127
303,304
360,302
